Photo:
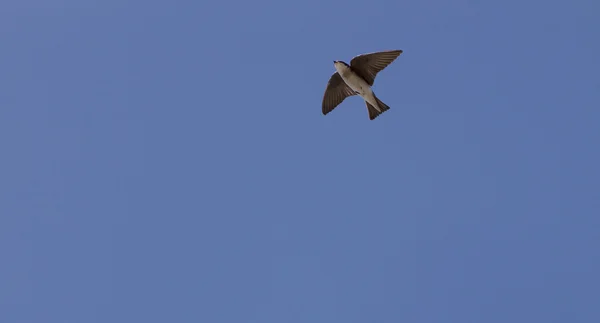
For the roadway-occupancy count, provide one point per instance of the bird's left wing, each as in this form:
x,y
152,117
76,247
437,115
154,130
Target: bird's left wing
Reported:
x,y
368,65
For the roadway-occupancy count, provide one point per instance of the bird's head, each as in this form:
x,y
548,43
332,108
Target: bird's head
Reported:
x,y
339,65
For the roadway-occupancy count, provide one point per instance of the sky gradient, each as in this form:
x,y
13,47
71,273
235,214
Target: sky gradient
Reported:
x,y
169,162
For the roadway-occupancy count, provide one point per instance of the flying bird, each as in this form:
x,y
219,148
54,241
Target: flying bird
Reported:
x,y
358,78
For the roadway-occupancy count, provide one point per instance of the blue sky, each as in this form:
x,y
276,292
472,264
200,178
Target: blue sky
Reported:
x,y
169,162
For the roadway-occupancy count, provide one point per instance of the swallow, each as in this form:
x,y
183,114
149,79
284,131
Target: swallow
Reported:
x,y
357,79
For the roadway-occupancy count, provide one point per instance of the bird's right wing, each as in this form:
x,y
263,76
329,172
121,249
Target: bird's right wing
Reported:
x,y
336,92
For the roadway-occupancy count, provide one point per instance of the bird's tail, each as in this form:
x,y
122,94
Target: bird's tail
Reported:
x,y
373,113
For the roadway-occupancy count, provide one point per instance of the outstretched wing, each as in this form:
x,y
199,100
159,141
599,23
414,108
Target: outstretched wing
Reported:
x,y
337,91
368,65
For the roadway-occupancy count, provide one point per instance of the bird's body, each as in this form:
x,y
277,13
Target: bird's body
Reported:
x,y
358,78
356,83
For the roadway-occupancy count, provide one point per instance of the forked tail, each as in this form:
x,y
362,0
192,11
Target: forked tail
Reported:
x,y
373,113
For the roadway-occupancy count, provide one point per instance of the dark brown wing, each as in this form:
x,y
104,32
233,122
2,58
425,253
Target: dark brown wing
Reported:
x,y
368,65
336,92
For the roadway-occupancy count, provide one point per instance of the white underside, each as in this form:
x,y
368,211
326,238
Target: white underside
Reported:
x,y
357,84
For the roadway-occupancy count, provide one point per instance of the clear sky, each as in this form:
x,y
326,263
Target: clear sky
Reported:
x,y
169,162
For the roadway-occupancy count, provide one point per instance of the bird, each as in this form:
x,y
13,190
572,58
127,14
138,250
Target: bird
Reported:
x,y
357,79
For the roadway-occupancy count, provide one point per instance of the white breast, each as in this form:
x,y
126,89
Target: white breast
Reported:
x,y
355,82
